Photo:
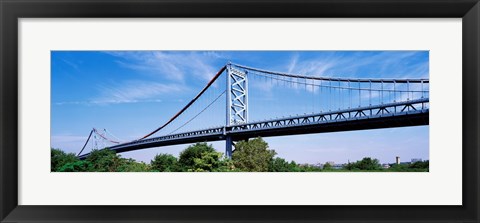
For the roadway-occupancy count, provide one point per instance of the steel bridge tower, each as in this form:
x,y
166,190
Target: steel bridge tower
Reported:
x,y
237,102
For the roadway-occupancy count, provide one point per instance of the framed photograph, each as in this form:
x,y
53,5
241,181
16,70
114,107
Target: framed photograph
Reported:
x,y
161,111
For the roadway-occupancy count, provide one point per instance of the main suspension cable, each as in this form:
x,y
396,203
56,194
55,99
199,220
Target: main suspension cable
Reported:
x,y
91,131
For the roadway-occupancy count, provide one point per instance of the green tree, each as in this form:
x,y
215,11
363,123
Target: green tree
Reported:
x,y
76,166
226,165
420,165
398,168
327,166
164,163
59,158
207,162
187,157
366,163
130,165
253,155
103,160
281,165
308,168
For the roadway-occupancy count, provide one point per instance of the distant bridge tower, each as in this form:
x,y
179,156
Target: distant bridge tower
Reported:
x,y
237,101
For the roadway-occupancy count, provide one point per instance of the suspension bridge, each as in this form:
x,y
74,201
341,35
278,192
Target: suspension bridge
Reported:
x,y
242,102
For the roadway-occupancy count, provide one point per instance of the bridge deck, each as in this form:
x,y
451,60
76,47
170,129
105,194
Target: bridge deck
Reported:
x,y
399,114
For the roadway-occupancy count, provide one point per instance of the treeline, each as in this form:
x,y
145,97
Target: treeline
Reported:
x,y
249,156
369,164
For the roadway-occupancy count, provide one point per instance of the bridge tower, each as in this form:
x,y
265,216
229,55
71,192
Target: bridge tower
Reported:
x,y
237,101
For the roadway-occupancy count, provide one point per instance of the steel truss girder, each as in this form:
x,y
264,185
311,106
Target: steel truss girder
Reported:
x,y
391,109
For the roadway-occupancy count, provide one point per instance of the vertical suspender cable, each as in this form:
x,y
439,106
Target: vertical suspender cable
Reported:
x,y
313,92
349,94
320,96
370,91
422,88
394,92
330,97
408,90
359,95
382,94
340,101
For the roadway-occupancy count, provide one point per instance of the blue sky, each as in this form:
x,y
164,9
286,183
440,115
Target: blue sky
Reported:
x,y
131,93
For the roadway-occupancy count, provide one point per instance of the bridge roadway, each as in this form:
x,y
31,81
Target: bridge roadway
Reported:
x,y
397,114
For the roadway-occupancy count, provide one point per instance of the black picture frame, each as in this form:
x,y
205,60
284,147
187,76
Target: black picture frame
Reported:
x,y
12,10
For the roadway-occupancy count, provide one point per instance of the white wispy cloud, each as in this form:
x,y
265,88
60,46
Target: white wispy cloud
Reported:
x,y
293,63
316,67
312,66
420,71
135,91
130,92
166,71
175,66
350,66
71,64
